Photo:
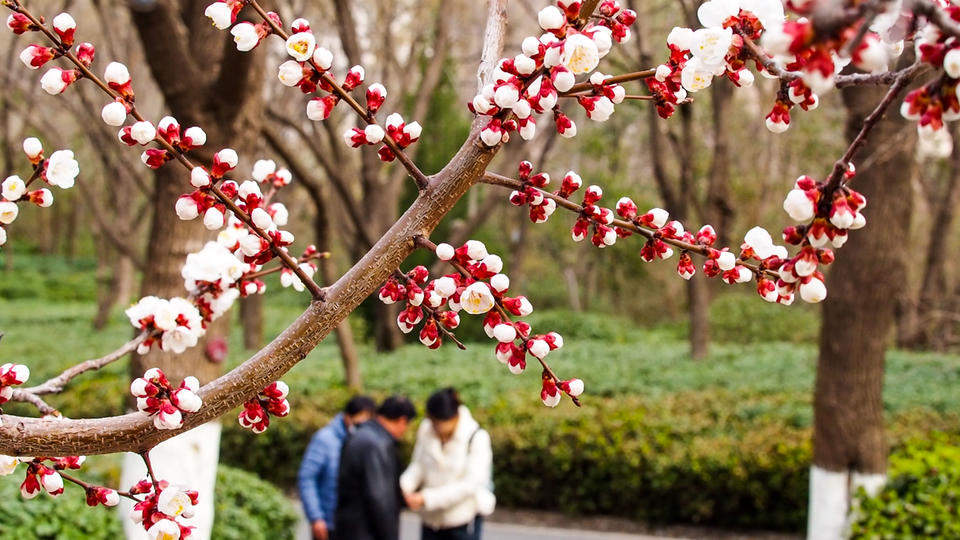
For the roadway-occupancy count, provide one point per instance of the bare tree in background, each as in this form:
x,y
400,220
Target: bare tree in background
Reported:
x,y
850,448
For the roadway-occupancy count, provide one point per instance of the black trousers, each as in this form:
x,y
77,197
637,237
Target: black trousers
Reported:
x,y
470,531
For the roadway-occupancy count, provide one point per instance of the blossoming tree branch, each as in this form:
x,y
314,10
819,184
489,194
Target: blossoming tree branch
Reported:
x,y
809,47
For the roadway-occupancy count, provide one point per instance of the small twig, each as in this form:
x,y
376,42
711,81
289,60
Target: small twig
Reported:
x,y
35,400
88,486
267,272
56,384
36,174
937,16
868,12
761,56
836,175
511,183
145,455
616,79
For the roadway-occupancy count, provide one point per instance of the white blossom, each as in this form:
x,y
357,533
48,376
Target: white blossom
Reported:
x,y
245,36
13,188
580,54
301,46
114,113
477,298
116,73
220,14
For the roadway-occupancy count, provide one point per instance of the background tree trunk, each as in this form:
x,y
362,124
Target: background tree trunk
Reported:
x,y
182,48
328,274
251,319
849,445
925,320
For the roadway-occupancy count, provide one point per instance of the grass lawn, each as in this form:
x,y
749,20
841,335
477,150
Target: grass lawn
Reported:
x,y
759,379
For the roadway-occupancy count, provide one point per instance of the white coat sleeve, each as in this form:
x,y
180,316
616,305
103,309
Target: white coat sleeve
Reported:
x,y
412,478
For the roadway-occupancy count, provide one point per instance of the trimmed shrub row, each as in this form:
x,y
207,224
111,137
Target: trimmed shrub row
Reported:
x,y
247,508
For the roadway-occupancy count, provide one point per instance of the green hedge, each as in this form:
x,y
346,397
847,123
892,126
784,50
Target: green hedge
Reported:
x,y
617,457
44,518
922,498
247,508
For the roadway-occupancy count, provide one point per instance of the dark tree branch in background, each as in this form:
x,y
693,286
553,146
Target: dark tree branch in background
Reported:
x,y
842,164
303,174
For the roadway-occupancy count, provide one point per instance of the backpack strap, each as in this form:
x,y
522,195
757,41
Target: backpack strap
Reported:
x,y
470,447
472,435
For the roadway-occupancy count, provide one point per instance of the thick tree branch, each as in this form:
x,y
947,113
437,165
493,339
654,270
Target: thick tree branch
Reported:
x,y
57,384
135,431
493,36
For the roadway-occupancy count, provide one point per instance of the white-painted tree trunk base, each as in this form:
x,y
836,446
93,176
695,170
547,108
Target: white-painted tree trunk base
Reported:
x,y
829,513
871,483
190,460
829,504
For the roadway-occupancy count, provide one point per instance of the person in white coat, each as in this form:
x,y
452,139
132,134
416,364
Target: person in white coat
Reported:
x,y
448,481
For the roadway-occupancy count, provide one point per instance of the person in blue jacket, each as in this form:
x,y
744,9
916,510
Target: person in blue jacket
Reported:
x,y
317,479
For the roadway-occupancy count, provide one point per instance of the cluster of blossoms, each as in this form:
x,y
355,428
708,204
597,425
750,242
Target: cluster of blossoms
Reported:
x,y
171,142
267,216
290,279
551,391
936,102
818,58
55,80
309,70
60,169
40,476
777,275
207,200
532,82
11,375
419,296
166,404
726,43
717,49
272,400
173,325
403,134
477,288
242,242
158,512
825,218
211,275
144,132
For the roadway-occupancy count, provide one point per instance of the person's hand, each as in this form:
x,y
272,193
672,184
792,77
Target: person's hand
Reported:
x,y
414,500
320,531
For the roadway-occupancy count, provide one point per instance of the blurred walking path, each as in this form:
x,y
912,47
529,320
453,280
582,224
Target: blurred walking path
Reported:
x,y
410,530
526,525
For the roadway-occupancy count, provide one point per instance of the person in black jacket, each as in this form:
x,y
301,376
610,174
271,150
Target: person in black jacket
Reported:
x,y
369,481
